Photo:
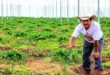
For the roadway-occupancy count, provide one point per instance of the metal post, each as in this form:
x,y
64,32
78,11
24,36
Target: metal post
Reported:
x,y
37,11
45,11
18,10
7,9
67,10
2,9
60,11
109,9
56,9
89,6
105,8
29,10
10,10
52,9
78,8
99,11
48,11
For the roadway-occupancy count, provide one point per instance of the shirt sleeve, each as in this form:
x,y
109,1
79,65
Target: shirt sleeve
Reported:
x,y
76,32
97,34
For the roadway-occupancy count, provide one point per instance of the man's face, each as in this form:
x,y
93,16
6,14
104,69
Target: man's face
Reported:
x,y
86,23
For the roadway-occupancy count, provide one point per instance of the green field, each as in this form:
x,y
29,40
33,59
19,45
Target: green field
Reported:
x,y
37,46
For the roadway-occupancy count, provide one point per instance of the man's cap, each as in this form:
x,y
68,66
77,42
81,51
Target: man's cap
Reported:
x,y
86,16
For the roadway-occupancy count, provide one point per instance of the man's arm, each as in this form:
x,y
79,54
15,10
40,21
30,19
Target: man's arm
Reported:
x,y
96,45
73,36
96,53
71,40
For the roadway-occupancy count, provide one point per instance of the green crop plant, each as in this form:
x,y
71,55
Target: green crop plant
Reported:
x,y
61,39
20,21
65,55
64,30
1,38
106,53
106,64
33,37
20,34
41,36
47,29
12,56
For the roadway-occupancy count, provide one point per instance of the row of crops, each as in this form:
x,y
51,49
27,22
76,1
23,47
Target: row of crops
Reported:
x,y
25,38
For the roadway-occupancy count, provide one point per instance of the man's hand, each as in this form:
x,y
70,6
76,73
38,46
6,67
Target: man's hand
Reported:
x,y
71,40
69,47
96,55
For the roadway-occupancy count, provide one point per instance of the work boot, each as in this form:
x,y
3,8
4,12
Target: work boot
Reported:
x,y
87,72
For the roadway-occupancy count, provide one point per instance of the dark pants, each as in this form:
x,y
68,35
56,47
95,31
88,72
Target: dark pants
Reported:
x,y
87,51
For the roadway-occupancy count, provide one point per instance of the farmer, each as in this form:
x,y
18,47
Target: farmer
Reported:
x,y
93,41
